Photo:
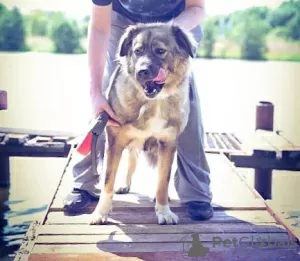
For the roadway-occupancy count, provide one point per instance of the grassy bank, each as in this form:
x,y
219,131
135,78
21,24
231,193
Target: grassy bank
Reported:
x,y
277,49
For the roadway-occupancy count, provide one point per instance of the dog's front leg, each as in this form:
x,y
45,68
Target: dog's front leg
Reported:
x,y
114,153
162,208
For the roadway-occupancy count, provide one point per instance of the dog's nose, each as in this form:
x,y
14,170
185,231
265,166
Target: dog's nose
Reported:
x,y
144,74
147,72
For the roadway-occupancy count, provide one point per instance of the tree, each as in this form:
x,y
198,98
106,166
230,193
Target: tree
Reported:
x,y
66,37
12,31
253,43
38,23
209,38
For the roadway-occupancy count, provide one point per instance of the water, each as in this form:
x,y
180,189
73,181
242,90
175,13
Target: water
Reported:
x,y
50,92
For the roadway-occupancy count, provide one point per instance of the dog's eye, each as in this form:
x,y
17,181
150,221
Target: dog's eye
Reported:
x,y
138,51
160,51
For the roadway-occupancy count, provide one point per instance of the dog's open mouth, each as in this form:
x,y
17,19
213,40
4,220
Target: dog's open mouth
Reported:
x,y
153,87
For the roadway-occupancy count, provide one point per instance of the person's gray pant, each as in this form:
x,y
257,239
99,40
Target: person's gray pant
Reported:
x,y
192,180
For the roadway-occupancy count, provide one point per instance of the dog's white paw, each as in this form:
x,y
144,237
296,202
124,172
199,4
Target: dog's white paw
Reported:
x,y
165,215
98,219
104,206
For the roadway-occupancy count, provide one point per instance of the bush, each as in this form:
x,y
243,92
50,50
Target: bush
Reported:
x,y
12,30
66,37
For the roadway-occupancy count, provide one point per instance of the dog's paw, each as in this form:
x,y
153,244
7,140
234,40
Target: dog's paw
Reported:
x,y
98,219
165,215
123,190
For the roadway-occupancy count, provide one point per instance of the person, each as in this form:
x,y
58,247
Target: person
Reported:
x,y
108,20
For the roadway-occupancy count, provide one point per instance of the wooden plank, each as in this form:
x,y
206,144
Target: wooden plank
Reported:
x,y
219,142
144,184
255,142
212,140
3,100
275,140
16,139
48,149
226,141
288,215
157,229
153,238
28,243
3,137
237,254
39,139
39,132
236,143
148,217
68,161
225,253
132,201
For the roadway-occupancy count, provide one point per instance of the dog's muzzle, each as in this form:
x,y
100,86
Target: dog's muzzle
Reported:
x,y
154,86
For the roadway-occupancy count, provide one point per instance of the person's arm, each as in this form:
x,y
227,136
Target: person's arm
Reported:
x,y
192,16
98,38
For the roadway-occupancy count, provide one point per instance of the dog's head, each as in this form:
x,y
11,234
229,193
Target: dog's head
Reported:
x,y
157,55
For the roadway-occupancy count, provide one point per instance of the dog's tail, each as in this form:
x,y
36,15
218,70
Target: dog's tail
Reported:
x,y
152,158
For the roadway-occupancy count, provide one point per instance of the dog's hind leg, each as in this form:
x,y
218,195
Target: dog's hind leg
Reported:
x,y
132,161
114,152
162,208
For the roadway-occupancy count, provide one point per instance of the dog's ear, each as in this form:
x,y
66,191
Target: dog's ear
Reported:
x,y
184,40
126,40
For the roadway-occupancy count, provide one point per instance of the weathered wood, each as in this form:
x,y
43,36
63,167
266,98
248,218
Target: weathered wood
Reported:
x,y
4,171
27,245
265,160
48,149
224,253
237,254
39,132
276,141
132,201
133,232
68,161
153,238
3,100
221,228
17,139
263,182
264,116
40,139
148,217
287,214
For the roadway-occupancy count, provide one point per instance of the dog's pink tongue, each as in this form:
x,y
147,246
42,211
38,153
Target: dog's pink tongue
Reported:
x,y
161,76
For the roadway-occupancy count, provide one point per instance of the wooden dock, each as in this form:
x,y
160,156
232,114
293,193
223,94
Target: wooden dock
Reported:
x,y
243,226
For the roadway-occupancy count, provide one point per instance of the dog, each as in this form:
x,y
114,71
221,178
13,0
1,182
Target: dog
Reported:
x,y
149,93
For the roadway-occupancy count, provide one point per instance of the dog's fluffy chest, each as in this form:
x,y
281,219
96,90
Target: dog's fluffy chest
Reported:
x,y
149,126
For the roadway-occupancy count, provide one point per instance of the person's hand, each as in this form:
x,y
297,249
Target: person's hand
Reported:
x,y
100,104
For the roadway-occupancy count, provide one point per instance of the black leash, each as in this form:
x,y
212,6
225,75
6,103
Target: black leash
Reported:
x,y
96,132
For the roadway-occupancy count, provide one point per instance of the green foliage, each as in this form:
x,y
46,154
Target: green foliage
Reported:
x,y
253,43
37,23
287,18
209,38
12,30
84,26
66,37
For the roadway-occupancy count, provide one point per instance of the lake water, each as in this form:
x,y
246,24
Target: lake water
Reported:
x,y
50,92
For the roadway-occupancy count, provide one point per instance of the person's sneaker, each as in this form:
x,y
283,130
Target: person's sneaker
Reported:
x,y
199,210
77,200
